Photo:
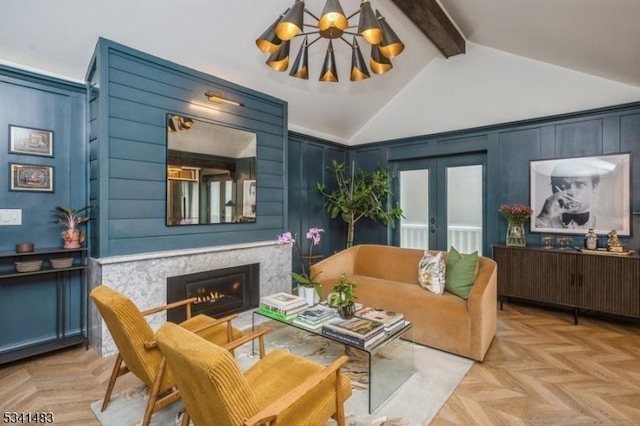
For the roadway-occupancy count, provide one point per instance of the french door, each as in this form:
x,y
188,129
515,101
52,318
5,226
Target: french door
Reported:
x,y
443,201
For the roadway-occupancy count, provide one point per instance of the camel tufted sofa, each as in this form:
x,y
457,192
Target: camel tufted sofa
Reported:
x,y
387,277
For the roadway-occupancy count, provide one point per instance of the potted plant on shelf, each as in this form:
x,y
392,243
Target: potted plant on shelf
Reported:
x,y
73,236
359,195
308,287
343,297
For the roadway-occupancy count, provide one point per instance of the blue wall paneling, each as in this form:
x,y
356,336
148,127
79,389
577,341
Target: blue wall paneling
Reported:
x,y
128,142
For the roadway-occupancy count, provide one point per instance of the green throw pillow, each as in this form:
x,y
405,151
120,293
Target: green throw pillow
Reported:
x,y
460,272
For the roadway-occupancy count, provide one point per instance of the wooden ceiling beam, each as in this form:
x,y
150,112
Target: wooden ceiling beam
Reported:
x,y
432,20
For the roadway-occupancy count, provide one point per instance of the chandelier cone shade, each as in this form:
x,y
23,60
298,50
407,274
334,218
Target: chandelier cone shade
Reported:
x,y
329,72
292,22
391,45
332,24
300,68
359,69
368,26
379,63
279,60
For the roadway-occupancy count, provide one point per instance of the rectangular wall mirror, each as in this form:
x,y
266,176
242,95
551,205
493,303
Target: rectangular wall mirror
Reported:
x,y
211,173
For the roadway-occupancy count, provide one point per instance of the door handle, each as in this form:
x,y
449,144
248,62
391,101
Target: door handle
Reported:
x,y
433,225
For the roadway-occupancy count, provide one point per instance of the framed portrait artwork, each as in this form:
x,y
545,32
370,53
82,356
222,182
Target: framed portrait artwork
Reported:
x,y
24,140
30,177
249,198
573,195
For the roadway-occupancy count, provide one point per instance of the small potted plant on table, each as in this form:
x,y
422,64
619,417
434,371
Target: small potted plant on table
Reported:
x,y
73,236
343,297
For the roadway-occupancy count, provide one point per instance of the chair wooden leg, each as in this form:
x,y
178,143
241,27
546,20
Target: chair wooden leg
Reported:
x,y
153,394
185,418
339,416
114,376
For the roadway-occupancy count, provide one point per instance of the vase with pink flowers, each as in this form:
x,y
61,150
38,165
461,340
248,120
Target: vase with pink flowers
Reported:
x,y
516,216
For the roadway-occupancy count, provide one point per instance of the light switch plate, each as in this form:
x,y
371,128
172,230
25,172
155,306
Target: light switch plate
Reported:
x,y
10,217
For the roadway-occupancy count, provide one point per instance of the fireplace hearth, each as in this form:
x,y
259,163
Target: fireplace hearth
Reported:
x,y
219,292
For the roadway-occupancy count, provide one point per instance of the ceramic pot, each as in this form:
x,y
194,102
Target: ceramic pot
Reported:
x,y
310,295
75,241
347,311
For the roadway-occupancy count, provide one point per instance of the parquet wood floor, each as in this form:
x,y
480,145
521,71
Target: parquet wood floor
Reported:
x,y
540,370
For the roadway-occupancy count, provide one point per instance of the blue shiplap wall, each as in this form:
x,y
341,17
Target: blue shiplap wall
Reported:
x,y
130,94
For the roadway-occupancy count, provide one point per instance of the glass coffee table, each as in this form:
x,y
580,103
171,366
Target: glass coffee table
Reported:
x,y
390,360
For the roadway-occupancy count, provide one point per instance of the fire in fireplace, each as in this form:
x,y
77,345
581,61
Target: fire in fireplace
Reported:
x,y
219,292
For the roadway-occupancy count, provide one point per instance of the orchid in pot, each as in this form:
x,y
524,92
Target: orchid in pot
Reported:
x,y
303,279
73,236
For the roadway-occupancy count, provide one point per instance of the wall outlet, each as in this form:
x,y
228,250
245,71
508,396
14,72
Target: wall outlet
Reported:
x,y
10,217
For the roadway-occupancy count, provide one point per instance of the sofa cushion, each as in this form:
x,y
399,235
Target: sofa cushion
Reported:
x,y
431,272
460,272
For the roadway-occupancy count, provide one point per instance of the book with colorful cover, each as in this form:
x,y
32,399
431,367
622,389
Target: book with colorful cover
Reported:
x,y
276,315
309,325
355,341
361,328
390,319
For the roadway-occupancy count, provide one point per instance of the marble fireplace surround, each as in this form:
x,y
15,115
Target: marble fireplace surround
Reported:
x,y
143,278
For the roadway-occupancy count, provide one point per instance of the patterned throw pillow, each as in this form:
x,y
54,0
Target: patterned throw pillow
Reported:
x,y
431,272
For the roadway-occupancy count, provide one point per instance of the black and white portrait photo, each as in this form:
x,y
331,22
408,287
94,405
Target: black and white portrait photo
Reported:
x,y
574,195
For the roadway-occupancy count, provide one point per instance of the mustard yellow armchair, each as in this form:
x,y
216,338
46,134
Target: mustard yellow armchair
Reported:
x,y
281,388
138,350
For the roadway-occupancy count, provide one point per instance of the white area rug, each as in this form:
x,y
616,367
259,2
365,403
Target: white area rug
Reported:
x,y
416,402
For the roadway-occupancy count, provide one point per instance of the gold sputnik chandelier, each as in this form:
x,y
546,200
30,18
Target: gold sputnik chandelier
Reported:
x,y
333,24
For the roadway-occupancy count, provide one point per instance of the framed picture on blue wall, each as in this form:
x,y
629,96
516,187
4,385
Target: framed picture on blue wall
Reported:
x,y
573,195
30,177
28,141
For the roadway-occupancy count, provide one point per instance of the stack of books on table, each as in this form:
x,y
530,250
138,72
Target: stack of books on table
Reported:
x,y
282,306
314,317
359,332
391,320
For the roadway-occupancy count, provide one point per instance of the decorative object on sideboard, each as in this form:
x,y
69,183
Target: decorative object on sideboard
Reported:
x,y
73,236
516,215
547,241
332,24
613,243
343,297
308,287
24,248
29,266
591,240
360,195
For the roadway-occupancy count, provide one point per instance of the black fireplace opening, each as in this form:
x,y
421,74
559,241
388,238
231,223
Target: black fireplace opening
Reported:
x,y
219,292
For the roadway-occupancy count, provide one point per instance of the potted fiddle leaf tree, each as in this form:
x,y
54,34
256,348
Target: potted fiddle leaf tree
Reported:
x,y
343,297
360,194
71,219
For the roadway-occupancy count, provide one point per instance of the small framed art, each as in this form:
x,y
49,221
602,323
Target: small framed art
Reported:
x,y
30,177
28,141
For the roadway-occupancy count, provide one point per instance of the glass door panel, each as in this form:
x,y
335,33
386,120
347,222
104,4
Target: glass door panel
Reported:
x,y
414,202
464,208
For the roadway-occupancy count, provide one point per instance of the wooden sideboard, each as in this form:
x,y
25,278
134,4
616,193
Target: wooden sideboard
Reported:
x,y
603,283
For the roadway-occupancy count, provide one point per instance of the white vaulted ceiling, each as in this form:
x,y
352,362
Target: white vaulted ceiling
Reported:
x,y
598,38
